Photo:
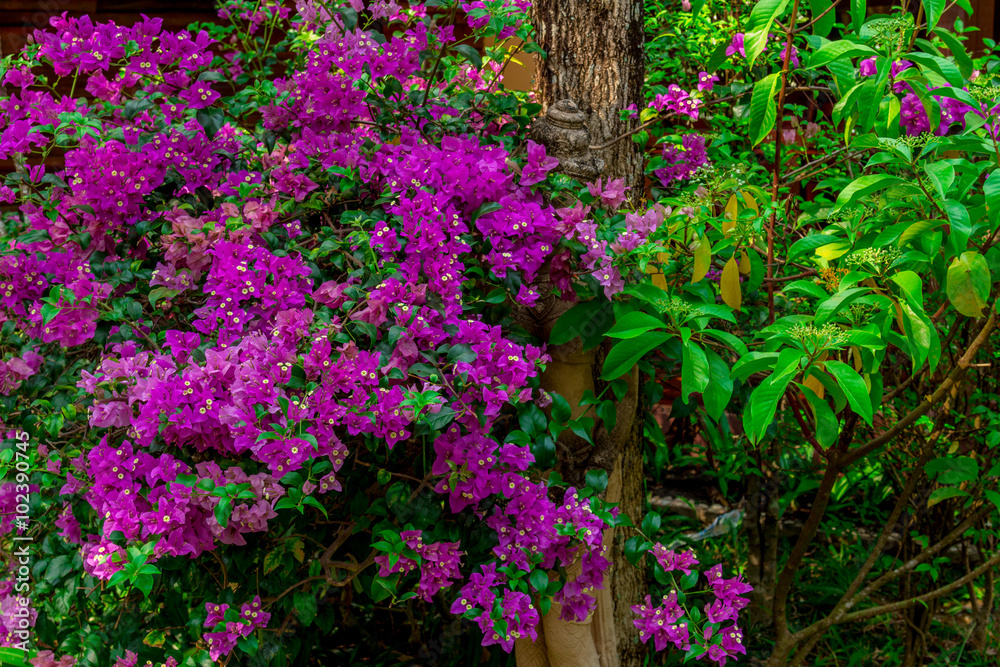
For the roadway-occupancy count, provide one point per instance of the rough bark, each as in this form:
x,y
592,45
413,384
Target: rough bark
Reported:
x,y
595,65
628,584
595,57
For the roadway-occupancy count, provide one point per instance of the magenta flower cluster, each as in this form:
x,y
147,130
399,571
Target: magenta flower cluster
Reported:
x,y
604,249
229,626
680,162
438,563
913,116
666,623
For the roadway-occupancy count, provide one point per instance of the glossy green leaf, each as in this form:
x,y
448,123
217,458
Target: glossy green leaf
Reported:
x,y
758,28
864,186
588,320
763,108
627,353
827,425
720,386
823,23
991,189
859,9
694,370
854,386
838,302
958,52
839,49
932,11
634,324
764,401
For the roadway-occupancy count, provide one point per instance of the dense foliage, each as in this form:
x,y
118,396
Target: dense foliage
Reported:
x,y
265,391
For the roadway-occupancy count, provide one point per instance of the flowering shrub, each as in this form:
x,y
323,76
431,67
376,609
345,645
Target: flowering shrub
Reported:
x,y
261,329
269,296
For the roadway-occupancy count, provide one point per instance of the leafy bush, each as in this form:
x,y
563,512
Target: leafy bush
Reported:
x,y
263,319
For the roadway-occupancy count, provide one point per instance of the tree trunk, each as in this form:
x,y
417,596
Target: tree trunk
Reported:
x,y
595,57
628,583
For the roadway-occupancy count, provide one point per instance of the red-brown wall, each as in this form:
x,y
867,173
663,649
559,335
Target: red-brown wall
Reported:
x,y
19,18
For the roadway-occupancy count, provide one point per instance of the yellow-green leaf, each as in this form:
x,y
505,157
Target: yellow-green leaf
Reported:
x,y
969,283
729,217
296,547
944,493
730,283
155,638
702,259
744,262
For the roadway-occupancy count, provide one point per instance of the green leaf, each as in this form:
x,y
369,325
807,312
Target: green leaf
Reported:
x,y
470,54
627,353
764,400
696,6
532,420
839,49
763,107
958,51
383,587
961,225
753,362
144,583
992,190
738,346
211,120
758,28
440,419
859,9
695,371
825,24
634,324
720,386
864,186
827,425
811,242
942,175
718,57
608,413
854,386
154,638
305,605
953,469
539,580
838,302
911,286
561,410
942,66
969,283
994,497
158,293
918,229
49,312
634,549
933,10
222,511
597,480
